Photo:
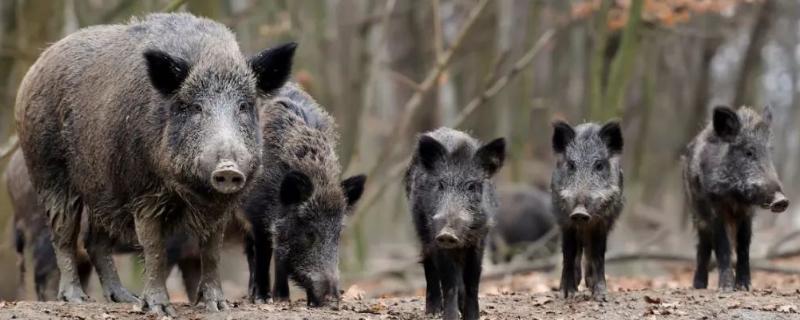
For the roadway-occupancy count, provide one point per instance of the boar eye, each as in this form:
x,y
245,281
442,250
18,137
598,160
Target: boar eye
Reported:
x,y
244,107
749,153
440,185
570,165
474,186
599,165
191,108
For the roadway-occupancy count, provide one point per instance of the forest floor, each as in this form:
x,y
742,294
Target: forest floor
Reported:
x,y
528,296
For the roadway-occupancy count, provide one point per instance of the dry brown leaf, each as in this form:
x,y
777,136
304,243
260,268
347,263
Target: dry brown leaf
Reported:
x,y
654,300
354,293
789,308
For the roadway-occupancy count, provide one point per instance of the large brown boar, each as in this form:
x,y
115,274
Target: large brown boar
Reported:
x,y
151,126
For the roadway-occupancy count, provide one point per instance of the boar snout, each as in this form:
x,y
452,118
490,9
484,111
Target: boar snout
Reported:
x,y
447,239
227,178
580,215
779,202
324,291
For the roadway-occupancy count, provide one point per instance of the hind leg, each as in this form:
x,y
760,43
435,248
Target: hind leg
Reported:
x,y
64,212
704,245
99,248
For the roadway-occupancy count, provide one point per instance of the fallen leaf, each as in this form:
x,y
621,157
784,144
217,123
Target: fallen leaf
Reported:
x,y
375,308
354,293
789,308
654,300
540,301
107,316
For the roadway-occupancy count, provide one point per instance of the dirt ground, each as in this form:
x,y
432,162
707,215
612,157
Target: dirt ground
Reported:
x,y
639,304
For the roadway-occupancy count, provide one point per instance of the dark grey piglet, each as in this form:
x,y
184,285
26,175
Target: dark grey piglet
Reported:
x,y
728,173
453,201
587,199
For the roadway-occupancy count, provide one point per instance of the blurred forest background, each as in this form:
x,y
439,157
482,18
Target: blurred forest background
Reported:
x,y
390,69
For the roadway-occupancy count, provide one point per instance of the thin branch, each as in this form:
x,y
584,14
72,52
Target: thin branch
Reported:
x,y
410,108
503,81
371,199
403,79
438,44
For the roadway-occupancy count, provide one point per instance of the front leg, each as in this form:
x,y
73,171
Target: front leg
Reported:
x,y
449,274
472,279
210,293
281,290
597,255
433,289
151,236
722,250
743,236
570,247
259,253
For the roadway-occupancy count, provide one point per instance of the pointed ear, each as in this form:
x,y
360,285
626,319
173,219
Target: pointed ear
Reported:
x,y
766,115
726,122
611,133
166,72
430,152
562,136
353,188
273,66
492,155
296,188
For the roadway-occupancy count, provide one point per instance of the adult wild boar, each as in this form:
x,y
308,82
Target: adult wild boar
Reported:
x,y
728,173
524,216
152,127
453,202
587,199
298,205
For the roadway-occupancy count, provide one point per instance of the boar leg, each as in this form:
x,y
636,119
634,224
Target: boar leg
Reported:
x,y
210,286
64,212
191,272
596,261
259,253
449,274
99,248
433,289
722,250
281,290
704,245
743,236
472,279
151,237
570,249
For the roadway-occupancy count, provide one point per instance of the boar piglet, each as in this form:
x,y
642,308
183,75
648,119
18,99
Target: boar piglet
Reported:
x,y
453,201
298,205
728,173
587,199
149,128
524,216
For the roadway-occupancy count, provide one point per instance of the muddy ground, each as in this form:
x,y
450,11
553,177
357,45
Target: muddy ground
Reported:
x,y
634,304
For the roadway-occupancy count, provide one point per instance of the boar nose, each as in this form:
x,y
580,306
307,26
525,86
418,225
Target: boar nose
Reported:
x,y
779,202
227,178
447,239
580,215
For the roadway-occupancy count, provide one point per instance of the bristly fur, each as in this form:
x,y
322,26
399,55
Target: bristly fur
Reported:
x,y
300,138
104,127
588,181
728,172
453,201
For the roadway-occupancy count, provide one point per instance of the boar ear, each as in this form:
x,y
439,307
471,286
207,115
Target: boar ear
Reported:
x,y
611,133
166,72
766,115
562,136
430,152
353,188
492,155
296,188
273,66
726,122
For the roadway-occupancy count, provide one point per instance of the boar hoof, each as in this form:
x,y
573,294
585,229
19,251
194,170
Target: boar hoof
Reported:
x,y
73,294
213,299
120,294
742,287
157,303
